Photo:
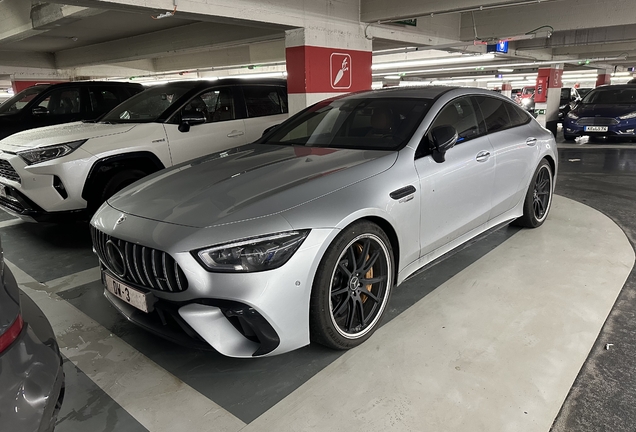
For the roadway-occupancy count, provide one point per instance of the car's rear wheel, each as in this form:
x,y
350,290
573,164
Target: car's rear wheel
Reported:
x,y
538,198
352,287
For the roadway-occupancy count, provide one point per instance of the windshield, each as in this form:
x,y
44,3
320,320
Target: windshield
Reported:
x,y
354,123
616,95
147,106
19,101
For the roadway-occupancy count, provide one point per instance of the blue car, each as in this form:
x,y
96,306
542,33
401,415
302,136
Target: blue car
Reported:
x,y
605,111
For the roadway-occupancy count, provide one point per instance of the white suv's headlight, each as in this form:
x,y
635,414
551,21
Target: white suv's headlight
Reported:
x,y
43,154
631,115
252,254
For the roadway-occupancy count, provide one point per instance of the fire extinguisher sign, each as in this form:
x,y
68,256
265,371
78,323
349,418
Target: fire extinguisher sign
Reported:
x,y
340,66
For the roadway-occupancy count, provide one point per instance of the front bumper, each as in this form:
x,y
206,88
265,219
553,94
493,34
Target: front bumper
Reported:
x,y
31,375
625,129
240,314
19,205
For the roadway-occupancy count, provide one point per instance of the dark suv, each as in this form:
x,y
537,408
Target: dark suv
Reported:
x,y
45,105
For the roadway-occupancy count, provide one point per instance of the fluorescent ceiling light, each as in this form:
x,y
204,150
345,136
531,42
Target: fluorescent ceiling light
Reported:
x,y
433,62
414,83
258,75
392,77
377,85
505,70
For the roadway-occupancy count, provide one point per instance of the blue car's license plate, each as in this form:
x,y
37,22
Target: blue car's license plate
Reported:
x,y
596,128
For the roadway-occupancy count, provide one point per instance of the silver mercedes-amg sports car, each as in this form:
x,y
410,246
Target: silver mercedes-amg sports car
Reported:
x,y
302,236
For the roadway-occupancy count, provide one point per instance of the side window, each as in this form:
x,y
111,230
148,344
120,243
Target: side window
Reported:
x,y
459,113
216,105
518,116
62,101
494,113
262,101
103,99
282,93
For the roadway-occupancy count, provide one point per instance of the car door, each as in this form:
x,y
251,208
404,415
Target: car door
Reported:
x,y
515,150
266,106
62,105
224,126
456,194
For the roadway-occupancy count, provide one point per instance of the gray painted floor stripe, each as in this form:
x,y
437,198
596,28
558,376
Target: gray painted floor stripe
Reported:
x,y
155,398
496,348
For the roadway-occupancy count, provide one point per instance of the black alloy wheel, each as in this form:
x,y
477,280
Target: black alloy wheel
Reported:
x,y
538,198
352,287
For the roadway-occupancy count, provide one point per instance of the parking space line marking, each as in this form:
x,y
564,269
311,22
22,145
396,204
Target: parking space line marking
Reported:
x,y
157,399
11,222
72,281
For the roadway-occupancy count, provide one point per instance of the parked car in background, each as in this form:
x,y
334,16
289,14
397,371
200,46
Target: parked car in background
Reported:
x,y
569,98
301,236
44,105
605,111
514,94
583,91
31,375
58,172
526,97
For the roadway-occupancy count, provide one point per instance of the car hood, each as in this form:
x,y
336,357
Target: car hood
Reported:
x,y
247,182
63,133
603,110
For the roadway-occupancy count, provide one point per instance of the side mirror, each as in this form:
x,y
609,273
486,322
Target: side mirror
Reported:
x,y
191,118
269,129
39,111
444,139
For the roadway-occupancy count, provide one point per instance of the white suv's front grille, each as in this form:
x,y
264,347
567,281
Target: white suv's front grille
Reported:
x,y
7,171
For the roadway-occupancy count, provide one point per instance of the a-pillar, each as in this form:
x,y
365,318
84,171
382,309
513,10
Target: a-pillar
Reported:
x,y
326,62
547,96
506,89
604,77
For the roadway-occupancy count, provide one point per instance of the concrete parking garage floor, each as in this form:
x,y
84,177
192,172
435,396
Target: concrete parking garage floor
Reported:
x,y
491,338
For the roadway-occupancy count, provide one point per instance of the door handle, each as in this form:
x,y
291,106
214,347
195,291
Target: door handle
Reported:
x,y
402,192
482,156
531,141
235,133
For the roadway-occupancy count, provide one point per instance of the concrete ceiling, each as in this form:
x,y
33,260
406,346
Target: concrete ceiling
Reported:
x,y
119,37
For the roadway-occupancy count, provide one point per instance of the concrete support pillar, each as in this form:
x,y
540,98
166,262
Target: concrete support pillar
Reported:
x,y
506,89
547,95
604,77
322,63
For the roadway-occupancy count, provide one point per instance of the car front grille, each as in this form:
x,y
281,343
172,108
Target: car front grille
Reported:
x,y
597,121
143,266
7,171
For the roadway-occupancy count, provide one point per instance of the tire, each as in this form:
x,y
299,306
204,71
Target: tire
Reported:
x,y
114,184
538,198
339,294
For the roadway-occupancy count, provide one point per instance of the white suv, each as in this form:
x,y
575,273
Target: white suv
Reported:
x,y
59,172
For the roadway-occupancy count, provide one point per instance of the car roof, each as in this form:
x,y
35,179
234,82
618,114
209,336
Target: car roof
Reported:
x,y
616,86
424,92
89,83
203,83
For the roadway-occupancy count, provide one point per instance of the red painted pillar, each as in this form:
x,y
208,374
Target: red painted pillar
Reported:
x,y
604,77
547,96
322,64
506,89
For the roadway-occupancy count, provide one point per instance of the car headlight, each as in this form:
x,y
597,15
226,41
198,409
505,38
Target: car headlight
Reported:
x,y
631,115
573,115
252,254
526,101
44,154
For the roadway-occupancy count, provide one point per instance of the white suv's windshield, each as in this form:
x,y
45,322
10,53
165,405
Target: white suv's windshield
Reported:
x,y
147,106
19,101
354,123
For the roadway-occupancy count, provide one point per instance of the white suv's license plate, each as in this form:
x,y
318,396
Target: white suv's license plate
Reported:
x,y
596,128
3,191
130,295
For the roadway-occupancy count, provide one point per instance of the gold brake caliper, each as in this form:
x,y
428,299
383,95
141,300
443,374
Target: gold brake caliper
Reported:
x,y
368,275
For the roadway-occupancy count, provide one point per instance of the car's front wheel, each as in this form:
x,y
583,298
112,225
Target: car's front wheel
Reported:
x,y
538,198
352,287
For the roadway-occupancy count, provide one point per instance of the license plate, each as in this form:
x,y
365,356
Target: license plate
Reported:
x,y
596,128
3,191
130,295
